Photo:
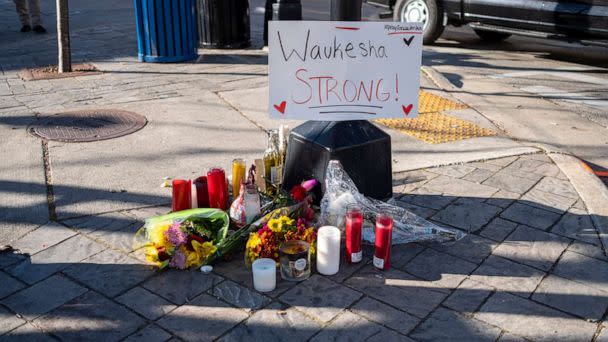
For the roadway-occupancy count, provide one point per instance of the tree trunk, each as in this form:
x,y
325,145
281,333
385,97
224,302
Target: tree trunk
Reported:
x,y
63,36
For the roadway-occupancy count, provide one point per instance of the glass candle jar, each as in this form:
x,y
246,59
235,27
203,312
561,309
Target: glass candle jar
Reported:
x,y
384,239
353,233
295,260
217,187
251,198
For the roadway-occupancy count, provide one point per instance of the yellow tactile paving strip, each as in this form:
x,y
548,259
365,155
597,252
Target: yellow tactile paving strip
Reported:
x,y
433,127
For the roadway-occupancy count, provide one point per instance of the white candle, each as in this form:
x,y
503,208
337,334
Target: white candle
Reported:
x,y
328,250
264,274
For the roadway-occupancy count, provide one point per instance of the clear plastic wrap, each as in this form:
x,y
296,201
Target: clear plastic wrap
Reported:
x,y
407,227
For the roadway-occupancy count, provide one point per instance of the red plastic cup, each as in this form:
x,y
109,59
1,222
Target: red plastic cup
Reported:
x,y
384,238
202,195
353,236
182,198
217,188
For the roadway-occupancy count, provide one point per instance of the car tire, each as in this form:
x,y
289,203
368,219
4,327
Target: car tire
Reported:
x,y
430,10
491,36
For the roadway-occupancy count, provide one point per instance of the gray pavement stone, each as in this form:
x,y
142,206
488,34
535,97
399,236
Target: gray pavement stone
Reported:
x,y
42,238
26,333
509,337
350,327
502,161
503,198
90,317
274,323
383,314
427,198
179,287
104,223
532,247
11,258
523,167
478,175
486,166
456,171
346,269
505,180
547,201
399,289
473,248
467,214
43,296
505,275
593,251
9,321
577,267
203,319
145,303
239,296
402,254
558,187
320,298
109,272
603,335
531,216
572,297
533,321
412,179
150,333
498,229
577,224
447,325
9,285
458,187
55,258
443,269
468,296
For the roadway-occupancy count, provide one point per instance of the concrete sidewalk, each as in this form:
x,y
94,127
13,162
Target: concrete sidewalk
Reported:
x,y
531,268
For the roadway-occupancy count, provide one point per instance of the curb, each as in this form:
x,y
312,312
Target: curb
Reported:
x,y
590,188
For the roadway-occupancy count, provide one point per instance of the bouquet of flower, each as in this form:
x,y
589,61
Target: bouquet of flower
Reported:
x,y
186,238
265,242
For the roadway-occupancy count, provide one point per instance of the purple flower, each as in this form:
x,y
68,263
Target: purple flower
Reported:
x,y
175,235
178,260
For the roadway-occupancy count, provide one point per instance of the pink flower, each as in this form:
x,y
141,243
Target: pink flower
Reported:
x,y
175,235
178,260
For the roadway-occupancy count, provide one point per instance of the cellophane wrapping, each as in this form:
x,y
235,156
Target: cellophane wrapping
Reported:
x,y
407,227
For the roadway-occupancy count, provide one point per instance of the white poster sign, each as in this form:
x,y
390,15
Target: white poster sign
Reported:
x,y
322,70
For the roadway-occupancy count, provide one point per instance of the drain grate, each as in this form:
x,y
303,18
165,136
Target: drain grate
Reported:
x,y
87,125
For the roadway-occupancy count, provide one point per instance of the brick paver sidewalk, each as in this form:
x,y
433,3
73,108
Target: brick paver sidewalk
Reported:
x,y
530,268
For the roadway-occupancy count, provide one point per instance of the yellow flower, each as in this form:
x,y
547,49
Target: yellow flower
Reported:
x,y
156,233
275,225
151,254
286,221
201,252
254,241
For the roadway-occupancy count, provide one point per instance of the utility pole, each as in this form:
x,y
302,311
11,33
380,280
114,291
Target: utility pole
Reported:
x,y
63,37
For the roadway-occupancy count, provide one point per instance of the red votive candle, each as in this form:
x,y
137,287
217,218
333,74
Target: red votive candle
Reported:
x,y
202,195
217,188
182,199
384,237
354,222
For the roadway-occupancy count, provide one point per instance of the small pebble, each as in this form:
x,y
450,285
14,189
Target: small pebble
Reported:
x,y
206,269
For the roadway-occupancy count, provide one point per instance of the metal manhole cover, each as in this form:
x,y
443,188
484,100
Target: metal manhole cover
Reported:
x,y
87,125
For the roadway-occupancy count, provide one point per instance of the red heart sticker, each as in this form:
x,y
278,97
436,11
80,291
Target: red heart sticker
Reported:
x,y
281,107
407,109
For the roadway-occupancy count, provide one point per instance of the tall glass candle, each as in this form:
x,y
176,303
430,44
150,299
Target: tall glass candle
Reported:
x,y
384,237
238,176
264,274
217,188
354,224
251,197
328,250
202,195
182,199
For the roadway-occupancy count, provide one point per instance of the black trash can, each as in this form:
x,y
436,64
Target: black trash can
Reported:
x,y
166,30
224,24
